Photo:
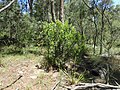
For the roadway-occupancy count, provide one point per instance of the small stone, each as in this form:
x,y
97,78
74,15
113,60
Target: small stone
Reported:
x,y
17,89
55,75
0,84
33,77
20,72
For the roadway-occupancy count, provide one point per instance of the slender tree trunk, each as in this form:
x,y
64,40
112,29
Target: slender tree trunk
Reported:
x,y
81,21
101,33
44,10
57,6
48,10
82,32
96,29
61,15
53,11
26,6
30,6
96,33
95,37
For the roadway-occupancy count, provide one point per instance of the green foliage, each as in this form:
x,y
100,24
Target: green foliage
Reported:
x,y
63,42
25,30
15,50
74,78
9,20
29,31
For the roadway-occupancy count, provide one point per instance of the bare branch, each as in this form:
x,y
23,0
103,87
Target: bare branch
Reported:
x,y
86,4
82,86
2,9
55,85
12,83
98,11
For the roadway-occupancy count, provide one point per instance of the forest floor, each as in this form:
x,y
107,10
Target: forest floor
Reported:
x,y
13,67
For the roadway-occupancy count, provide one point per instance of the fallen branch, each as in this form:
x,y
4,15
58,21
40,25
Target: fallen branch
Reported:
x,y
84,86
2,9
55,85
11,83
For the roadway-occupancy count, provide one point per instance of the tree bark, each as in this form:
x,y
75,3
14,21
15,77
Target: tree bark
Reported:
x,y
96,29
57,6
53,11
95,37
102,29
30,6
48,10
61,15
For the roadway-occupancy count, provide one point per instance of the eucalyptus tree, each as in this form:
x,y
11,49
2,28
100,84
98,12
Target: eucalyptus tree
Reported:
x,y
57,9
113,29
53,11
77,14
30,2
61,11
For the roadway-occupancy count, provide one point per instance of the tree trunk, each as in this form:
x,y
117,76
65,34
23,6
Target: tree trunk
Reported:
x,y
61,15
53,11
57,6
96,33
48,10
102,29
30,6
95,37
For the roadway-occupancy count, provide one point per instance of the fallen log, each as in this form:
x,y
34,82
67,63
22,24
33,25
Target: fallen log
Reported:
x,y
96,86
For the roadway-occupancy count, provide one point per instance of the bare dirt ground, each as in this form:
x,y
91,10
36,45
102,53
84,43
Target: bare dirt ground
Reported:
x,y
32,78
12,67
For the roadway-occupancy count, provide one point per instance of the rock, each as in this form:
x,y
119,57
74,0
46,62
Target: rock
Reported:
x,y
17,89
55,75
38,66
20,72
33,77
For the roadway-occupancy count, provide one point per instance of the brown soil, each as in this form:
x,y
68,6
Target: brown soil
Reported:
x,y
32,78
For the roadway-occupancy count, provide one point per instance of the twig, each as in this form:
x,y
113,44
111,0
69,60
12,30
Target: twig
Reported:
x,y
86,4
66,87
2,9
55,85
11,83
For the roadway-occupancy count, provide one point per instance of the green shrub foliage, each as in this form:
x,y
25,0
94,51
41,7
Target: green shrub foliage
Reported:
x,y
63,42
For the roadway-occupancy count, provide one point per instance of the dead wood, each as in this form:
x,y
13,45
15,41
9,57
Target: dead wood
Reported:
x,y
11,83
84,86
54,87
2,9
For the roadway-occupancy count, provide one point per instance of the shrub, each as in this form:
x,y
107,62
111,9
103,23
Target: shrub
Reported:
x,y
62,42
